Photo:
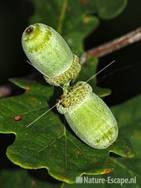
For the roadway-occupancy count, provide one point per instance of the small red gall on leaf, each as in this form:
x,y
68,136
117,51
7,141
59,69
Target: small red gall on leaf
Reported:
x,y
107,171
18,118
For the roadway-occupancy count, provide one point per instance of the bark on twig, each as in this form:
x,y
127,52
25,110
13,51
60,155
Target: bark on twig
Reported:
x,y
116,44
5,91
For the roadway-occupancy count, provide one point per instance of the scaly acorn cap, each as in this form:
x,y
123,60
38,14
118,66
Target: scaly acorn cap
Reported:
x,y
49,53
88,116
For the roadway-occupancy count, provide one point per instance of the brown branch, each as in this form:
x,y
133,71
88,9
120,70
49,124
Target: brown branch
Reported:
x,y
5,91
116,44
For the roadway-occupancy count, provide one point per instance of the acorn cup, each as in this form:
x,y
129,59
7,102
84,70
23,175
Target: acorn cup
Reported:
x,y
49,53
88,116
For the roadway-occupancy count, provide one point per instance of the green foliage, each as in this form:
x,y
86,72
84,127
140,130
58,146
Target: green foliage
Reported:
x,y
21,178
75,19
108,9
49,143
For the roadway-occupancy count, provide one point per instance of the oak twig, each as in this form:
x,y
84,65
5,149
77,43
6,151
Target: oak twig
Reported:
x,y
5,91
116,44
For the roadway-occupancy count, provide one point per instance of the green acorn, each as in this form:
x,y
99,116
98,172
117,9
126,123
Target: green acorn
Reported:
x,y
88,116
50,54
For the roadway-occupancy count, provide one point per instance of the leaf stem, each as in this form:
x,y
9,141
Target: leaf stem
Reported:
x,y
62,16
116,44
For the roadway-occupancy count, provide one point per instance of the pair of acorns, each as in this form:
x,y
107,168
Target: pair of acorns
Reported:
x,y
86,113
